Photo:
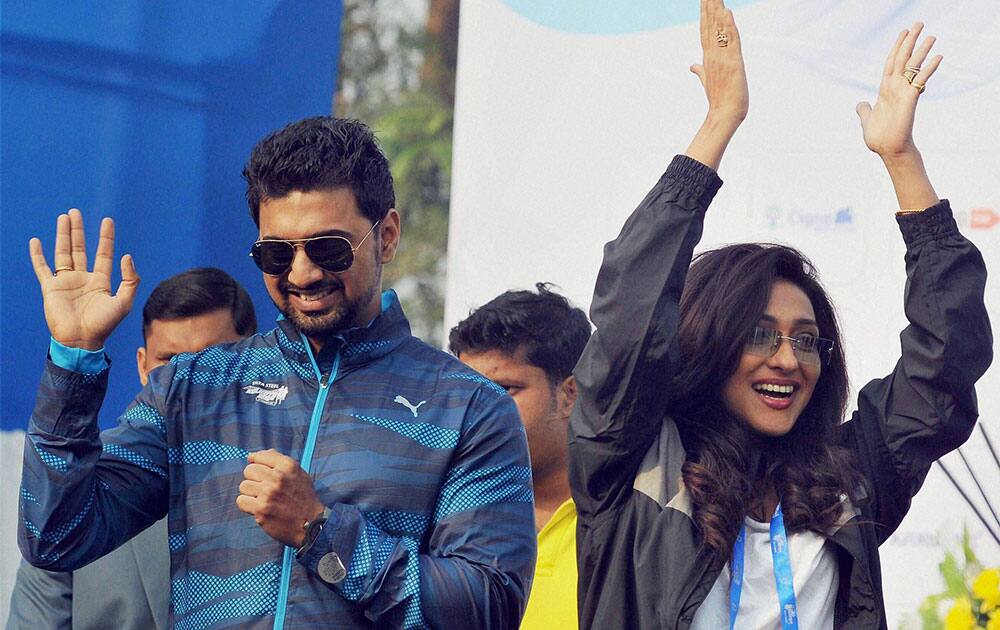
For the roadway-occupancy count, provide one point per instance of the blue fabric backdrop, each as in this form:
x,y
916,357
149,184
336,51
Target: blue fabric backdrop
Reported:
x,y
144,112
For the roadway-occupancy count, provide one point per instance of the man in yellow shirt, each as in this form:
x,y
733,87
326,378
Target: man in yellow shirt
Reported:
x,y
528,343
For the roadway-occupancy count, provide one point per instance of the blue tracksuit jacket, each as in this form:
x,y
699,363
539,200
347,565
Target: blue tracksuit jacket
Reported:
x,y
423,462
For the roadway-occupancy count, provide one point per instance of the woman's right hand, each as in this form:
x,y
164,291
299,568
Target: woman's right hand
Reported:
x,y
80,310
724,78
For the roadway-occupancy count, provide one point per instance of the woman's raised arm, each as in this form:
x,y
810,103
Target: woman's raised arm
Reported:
x,y
927,406
624,375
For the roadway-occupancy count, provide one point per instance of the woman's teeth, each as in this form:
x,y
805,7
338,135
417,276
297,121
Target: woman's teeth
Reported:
x,y
774,391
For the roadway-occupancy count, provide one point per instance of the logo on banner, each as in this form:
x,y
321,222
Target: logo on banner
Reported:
x,y
821,220
983,218
842,219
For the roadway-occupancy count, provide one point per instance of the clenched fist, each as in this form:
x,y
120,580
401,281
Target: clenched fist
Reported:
x,y
279,495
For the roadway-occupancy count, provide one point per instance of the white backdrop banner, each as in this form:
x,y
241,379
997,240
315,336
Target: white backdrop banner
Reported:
x,y
568,111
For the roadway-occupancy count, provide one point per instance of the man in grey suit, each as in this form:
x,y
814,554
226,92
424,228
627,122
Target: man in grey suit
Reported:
x,y
130,587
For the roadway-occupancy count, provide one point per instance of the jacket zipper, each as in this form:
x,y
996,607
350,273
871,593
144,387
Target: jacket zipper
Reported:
x,y
305,463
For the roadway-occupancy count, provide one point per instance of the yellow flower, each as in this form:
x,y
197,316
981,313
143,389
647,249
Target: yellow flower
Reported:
x,y
987,588
994,622
960,615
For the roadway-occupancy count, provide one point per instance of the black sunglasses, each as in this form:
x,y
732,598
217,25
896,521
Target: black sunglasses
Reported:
x,y
331,253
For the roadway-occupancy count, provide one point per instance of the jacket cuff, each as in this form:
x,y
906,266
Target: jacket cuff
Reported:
x,y
698,182
77,359
330,554
68,401
933,223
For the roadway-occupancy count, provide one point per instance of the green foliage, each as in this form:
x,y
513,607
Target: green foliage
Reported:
x,y
953,575
417,137
930,618
384,53
970,556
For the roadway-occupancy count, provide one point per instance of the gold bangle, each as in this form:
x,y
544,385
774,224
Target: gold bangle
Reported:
x,y
909,211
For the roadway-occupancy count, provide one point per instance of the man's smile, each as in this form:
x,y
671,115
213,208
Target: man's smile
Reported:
x,y
314,299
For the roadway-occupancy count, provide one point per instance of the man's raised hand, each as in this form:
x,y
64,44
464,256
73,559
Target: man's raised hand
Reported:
x,y
80,310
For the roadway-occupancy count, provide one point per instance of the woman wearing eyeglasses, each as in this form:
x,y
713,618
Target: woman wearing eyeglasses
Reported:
x,y
716,482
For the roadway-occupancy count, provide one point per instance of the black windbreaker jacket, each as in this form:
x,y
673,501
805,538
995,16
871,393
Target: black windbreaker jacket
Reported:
x,y
641,564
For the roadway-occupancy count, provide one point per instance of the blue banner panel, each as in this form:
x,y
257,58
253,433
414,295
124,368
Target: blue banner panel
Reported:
x,y
143,112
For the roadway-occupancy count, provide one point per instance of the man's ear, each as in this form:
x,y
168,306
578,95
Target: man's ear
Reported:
x,y
389,233
140,364
566,395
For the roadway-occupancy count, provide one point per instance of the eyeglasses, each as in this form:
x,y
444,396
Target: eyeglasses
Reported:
x,y
764,342
332,253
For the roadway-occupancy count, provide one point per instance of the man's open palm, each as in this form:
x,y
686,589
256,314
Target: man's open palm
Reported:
x,y
80,310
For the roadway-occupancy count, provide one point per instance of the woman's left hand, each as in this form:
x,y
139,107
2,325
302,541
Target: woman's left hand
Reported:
x,y
888,126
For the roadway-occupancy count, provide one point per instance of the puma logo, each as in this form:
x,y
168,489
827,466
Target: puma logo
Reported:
x,y
413,408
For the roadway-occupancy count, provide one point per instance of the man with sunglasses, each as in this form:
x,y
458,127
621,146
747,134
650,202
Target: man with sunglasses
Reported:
x,y
333,471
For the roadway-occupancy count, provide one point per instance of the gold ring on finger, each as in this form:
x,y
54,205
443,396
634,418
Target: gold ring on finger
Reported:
x,y
910,74
721,39
63,268
920,86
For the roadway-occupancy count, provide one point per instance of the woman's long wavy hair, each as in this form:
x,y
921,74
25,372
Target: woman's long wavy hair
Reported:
x,y
729,467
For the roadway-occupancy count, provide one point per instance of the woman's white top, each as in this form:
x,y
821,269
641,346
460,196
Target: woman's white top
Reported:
x,y
814,574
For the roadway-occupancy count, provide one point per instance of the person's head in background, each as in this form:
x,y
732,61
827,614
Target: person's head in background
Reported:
x,y
528,343
191,311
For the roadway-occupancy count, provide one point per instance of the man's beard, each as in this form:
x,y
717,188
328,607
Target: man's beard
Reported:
x,y
330,322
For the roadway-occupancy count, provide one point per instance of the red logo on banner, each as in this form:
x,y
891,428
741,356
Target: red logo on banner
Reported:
x,y
983,218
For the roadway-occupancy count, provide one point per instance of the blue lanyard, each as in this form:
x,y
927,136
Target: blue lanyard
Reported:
x,y
782,573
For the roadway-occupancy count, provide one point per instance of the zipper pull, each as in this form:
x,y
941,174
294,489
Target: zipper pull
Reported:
x,y
324,381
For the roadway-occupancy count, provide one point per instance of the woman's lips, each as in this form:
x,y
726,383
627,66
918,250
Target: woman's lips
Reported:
x,y
776,403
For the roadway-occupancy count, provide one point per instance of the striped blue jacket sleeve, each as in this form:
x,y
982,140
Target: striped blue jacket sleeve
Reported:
x,y
476,568
84,493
